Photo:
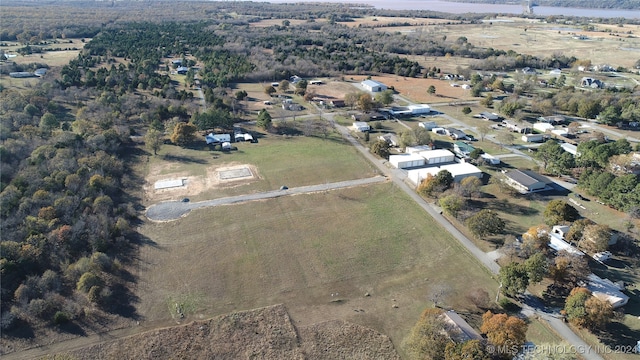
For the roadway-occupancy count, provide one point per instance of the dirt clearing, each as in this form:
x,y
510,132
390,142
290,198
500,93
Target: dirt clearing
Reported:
x,y
215,176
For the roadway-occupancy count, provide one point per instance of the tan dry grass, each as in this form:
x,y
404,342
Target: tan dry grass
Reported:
x,y
540,39
416,89
266,333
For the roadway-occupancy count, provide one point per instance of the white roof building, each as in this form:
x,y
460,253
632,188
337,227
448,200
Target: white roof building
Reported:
x,y
437,156
570,148
406,161
459,171
373,86
607,290
416,149
361,126
542,127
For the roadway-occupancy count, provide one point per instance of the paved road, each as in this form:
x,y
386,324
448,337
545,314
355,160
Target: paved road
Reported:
x,y
173,210
398,177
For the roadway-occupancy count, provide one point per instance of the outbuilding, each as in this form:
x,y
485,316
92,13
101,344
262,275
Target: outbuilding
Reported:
x,y
361,126
373,86
526,181
406,161
533,138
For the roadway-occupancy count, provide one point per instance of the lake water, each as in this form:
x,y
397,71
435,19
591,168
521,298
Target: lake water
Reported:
x,y
461,8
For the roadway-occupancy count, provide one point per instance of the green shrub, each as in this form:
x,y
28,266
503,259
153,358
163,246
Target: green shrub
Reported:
x,y
61,317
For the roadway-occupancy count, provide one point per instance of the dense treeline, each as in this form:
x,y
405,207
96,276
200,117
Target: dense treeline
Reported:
x,y
595,4
66,222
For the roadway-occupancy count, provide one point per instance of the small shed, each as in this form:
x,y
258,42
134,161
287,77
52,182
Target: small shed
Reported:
x,y
226,145
406,161
361,126
437,156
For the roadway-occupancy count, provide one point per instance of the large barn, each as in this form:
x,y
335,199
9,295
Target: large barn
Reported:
x,y
373,86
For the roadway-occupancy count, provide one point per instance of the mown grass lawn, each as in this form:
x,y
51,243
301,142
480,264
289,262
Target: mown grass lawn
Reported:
x,y
298,250
279,160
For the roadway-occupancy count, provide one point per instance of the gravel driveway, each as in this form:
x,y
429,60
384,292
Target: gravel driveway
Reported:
x,y
173,210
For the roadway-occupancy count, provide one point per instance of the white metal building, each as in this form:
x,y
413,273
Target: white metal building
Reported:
x,y
458,171
437,156
373,86
406,161
533,137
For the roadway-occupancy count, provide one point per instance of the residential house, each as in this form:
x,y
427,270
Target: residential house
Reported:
x,y
456,134
391,139
526,181
607,290
217,138
543,127
427,125
462,331
591,83
553,120
528,71
489,116
515,127
336,103
462,149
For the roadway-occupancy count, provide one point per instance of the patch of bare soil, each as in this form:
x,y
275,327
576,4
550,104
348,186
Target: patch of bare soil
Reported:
x,y
193,185
266,333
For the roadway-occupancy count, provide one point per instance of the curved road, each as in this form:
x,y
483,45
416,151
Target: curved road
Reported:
x,y
173,210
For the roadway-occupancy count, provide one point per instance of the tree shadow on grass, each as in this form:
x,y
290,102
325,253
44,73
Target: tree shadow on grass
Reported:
x,y
72,328
183,159
20,330
505,206
619,336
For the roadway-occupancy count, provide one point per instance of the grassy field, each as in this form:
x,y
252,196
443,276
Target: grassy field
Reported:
x,y
301,250
279,160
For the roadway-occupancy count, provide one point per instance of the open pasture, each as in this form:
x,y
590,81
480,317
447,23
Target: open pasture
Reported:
x,y
316,253
616,46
